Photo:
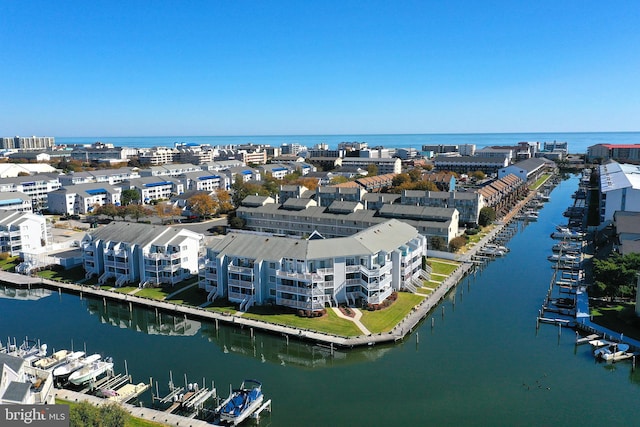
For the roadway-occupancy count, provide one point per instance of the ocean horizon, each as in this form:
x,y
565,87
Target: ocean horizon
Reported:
x,y
577,141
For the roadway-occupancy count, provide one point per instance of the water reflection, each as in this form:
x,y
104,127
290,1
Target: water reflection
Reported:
x,y
24,293
288,352
140,320
242,341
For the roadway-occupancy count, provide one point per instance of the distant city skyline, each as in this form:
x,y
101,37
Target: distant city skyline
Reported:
x,y
345,67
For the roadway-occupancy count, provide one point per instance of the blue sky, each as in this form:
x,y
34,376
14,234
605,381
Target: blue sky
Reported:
x,y
129,68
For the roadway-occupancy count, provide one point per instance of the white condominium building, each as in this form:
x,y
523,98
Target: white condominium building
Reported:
x,y
22,232
310,274
141,253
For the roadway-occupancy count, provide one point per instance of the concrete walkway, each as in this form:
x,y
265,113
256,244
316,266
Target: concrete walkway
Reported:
x,y
355,319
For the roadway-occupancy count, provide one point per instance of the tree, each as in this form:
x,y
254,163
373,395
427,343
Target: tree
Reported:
x,y
23,174
415,174
487,216
167,210
202,205
372,169
457,242
616,275
128,196
224,200
109,210
236,222
437,243
478,175
122,212
84,414
138,211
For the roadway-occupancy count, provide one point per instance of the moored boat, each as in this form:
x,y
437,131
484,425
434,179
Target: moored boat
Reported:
x,y
75,361
90,371
612,351
241,403
50,362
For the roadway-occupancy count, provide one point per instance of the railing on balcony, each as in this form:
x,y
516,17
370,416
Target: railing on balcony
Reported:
x,y
306,305
376,271
238,269
307,277
300,290
158,255
352,268
245,284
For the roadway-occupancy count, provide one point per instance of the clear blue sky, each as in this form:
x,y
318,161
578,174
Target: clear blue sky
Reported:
x,y
129,68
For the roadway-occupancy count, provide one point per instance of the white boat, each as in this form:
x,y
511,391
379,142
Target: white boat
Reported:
x,y
567,258
241,403
75,361
496,247
530,215
50,362
566,233
567,247
612,351
90,371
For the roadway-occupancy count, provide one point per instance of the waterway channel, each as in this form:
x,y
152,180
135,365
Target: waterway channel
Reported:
x,y
482,363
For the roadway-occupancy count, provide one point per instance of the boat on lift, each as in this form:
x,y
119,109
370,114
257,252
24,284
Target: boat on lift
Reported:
x,y
91,371
241,403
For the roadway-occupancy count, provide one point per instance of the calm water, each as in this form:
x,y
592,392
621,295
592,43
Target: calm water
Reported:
x,y
482,364
578,142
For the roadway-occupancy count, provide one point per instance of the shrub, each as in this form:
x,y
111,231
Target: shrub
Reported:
x,y
471,231
4,256
457,242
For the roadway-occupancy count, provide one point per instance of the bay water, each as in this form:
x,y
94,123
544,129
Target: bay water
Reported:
x,y
577,141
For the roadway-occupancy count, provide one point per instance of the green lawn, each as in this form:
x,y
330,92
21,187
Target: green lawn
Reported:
x,y
126,289
165,290
540,181
73,275
193,296
442,267
10,263
617,317
384,320
154,293
330,323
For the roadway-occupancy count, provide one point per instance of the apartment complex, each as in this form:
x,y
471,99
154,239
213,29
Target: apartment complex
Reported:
x,y
619,152
310,274
619,189
22,231
141,254
37,187
28,143
82,198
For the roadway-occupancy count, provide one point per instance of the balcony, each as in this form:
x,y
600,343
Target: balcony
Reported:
x,y
352,268
376,272
307,277
241,270
300,290
160,256
304,305
245,284
120,253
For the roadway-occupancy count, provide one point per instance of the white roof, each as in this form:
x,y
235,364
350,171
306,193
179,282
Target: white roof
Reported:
x,y
615,176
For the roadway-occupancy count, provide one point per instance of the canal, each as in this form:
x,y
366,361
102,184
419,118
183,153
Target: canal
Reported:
x,y
482,363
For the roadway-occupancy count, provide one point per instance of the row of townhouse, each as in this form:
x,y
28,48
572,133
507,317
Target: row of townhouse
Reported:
x,y
466,164
141,254
310,274
109,176
301,217
22,232
501,194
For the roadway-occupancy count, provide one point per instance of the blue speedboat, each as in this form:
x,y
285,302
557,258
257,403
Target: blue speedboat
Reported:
x,y
241,403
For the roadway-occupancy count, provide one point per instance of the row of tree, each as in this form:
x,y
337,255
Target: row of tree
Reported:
x,y
615,276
